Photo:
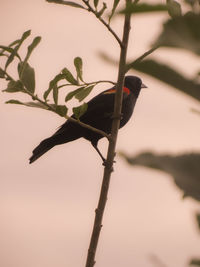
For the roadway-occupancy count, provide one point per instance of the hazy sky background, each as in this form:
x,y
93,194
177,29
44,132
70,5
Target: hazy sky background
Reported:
x,y
47,208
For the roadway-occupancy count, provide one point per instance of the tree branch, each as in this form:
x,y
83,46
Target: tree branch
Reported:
x,y
111,149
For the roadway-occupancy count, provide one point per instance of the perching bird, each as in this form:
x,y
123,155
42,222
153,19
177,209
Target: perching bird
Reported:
x,y
99,115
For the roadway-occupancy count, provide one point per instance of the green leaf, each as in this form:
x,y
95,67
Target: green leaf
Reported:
x,y
67,3
96,3
69,77
168,75
84,93
52,83
27,104
2,73
31,47
19,43
174,8
73,93
55,94
80,110
195,262
27,76
10,50
143,8
182,32
14,86
78,63
60,110
183,168
115,4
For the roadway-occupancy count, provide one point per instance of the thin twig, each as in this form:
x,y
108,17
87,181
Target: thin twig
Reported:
x,y
86,2
111,149
86,84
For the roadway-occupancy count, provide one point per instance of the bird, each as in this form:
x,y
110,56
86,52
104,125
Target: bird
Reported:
x,y
99,114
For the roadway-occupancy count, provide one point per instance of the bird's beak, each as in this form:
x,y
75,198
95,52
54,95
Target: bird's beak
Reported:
x,y
143,86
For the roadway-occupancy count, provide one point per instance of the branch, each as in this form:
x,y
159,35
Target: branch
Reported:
x,y
90,9
111,149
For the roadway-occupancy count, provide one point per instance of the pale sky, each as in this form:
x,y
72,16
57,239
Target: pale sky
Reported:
x,y
47,208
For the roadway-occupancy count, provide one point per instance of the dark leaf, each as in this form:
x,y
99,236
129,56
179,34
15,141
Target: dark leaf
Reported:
x,y
174,8
55,94
115,4
60,110
28,104
84,93
96,3
184,168
14,86
52,83
67,3
69,77
198,219
195,262
19,43
27,76
80,110
2,73
10,50
70,95
143,8
78,63
31,47
182,32
168,75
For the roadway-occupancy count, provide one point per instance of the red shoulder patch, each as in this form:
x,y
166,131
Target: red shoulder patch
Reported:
x,y
126,90
113,91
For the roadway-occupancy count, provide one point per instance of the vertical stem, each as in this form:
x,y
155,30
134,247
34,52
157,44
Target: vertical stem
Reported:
x,y
112,144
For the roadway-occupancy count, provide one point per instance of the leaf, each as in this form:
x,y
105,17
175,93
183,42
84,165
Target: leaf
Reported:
x,y
31,47
84,93
174,8
19,43
52,83
168,75
182,32
28,104
14,86
2,73
96,3
73,93
183,168
27,76
9,49
198,219
60,110
195,262
67,3
115,4
143,8
55,94
78,63
69,77
80,110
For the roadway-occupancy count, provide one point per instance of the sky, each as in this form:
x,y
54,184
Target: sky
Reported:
x,y
47,208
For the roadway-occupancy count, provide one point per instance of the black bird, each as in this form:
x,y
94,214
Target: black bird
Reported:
x,y
99,115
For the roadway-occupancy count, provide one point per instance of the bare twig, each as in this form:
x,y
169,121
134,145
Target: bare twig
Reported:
x,y
111,149
86,2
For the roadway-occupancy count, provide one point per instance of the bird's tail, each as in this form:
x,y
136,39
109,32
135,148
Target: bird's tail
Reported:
x,y
42,148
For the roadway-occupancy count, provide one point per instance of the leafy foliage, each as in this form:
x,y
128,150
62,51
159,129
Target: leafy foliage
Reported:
x,y
183,168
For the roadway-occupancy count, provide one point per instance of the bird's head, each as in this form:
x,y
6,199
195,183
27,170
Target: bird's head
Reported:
x,y
134,84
